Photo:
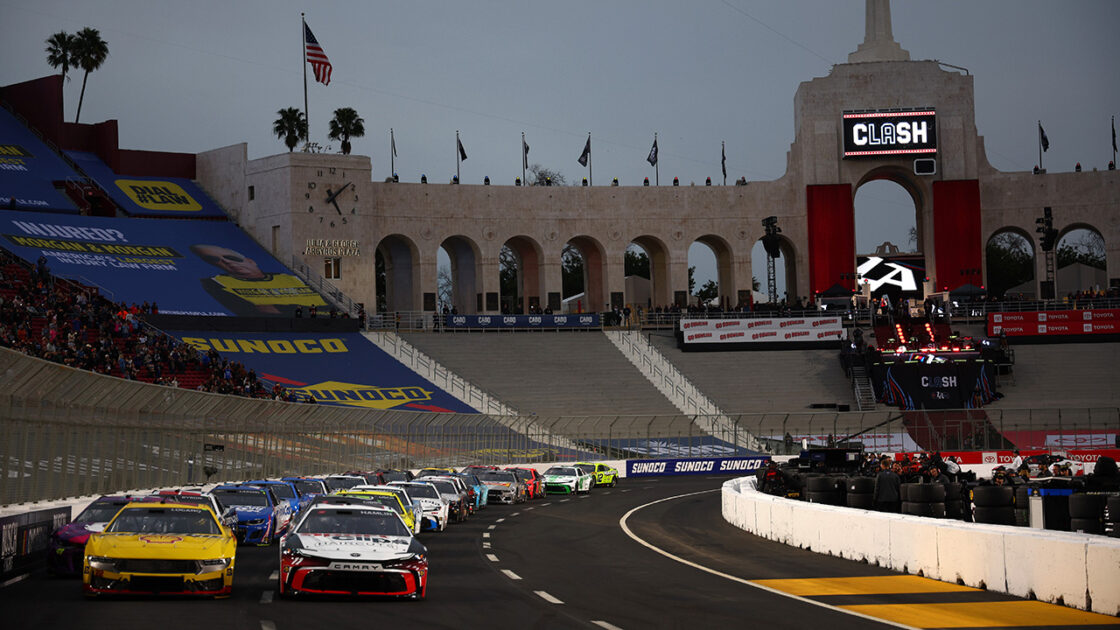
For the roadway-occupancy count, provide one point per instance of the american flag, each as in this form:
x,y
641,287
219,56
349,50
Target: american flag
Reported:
x,y
316,57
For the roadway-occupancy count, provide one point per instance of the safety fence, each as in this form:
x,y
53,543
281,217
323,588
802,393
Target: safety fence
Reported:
x,y
66,432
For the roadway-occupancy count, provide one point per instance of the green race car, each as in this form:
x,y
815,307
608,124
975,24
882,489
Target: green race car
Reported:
x,y
566,480
601,474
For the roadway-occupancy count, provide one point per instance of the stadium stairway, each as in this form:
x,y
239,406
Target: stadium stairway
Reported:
x,y
761,381
548,373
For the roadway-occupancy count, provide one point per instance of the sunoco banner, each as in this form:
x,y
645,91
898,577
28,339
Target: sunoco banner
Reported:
x,y
780,329
701,466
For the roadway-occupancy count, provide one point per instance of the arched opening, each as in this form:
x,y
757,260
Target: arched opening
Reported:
x,y
886,215
582,262
1009,261
396,274
710,279
457,283
656,271
785,273
1080,261
519,269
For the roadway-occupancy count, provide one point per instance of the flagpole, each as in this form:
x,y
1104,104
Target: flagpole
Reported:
x,y
457,142
524,157
656,164
1040,146
1114,139
392,151
590,177
303,57
723,160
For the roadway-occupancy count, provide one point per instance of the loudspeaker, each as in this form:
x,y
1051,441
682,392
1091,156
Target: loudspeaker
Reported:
x,y
925,166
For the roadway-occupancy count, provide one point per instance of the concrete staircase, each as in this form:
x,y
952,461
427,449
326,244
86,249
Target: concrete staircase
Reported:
x,y
548,373
1062,375
861,386
764,380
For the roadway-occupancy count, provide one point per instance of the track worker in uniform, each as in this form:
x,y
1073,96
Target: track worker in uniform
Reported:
x,y
247,291
888,489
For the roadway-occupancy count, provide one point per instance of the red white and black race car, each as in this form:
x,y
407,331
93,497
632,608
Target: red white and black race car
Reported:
x,y
352,550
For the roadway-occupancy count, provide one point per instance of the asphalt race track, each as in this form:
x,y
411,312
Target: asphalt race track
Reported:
x,y
564,562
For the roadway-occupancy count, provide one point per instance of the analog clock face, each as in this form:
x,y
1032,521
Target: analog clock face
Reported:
x,y
332,196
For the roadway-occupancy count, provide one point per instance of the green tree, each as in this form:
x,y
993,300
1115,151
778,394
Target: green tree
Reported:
x,y
571,270
345,125
443,288
60,51
691,279
90,51
1081,246
290,127
1010,262
708,292
508,266
636,263
537,174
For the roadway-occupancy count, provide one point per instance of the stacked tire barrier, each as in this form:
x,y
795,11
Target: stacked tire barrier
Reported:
x,y
1112,517
861,493
1022,506
1086,513
954,503
994,505
923,499
826,489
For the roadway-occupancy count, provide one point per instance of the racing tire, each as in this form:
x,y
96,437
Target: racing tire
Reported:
x,y
1112,510
926,492
1086,525
931,510
954,492
825,498
1022,517
995,515
863,501
861,485
1086,506
821,484
993,497
954,510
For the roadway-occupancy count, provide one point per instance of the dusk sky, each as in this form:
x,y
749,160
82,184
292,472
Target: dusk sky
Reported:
x,y
193,76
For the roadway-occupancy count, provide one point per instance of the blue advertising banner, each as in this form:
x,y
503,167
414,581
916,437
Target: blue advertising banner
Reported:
x,y
187,267
695,466
344,369
582,320
28,170
171,197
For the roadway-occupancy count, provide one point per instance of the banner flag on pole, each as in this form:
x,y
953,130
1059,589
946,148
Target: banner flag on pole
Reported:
x,y
652,158
586,152
316,57
462,151
1042,135
1114,134
393,141
723,159
524,153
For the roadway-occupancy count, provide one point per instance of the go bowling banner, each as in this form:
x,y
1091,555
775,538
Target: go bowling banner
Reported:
x,y
1054,323
343,369
772,329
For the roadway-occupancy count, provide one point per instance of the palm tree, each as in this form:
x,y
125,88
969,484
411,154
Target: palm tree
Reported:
x,y
290,126
90,52
346,124
60,51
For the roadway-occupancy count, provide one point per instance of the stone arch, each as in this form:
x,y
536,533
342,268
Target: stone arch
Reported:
x,y
466,261
1069,280
397,290
594,272
725,275
530,281
906,180
787,265
660,290
1013,268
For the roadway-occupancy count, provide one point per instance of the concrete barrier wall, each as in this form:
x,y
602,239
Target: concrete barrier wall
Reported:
x,y
1078,570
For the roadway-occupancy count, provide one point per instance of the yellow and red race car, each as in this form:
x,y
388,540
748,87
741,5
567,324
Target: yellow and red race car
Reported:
x,y
161,548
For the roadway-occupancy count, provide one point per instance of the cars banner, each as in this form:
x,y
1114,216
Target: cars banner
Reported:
x,y
186,267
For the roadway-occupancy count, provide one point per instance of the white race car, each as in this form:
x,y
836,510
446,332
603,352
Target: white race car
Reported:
x,y
566,480
435,510
352,550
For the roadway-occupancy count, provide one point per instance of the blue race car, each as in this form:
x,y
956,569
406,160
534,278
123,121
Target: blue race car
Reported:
x,y
261,515
285,490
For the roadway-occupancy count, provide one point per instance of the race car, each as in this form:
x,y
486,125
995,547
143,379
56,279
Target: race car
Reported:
x,y
160,548
226,515
454,494
352,550
434,508
534,482
566,480
307,485
261,515
285,490
503,486
475,487
602,474
67,543
397,475
391,500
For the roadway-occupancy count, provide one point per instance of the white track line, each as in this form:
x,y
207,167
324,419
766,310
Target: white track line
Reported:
x,y
18,578
631,534
485,534
267,625
515,514
548,598
499,520
491,557
485,545
608,626
511,575
492,527
266,597
273,575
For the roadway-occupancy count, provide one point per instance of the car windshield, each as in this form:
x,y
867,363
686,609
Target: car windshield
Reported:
x,y
504,477
444,487
383,499
164,521
282,490
243,498
342,483
367,522
520,474
309,487
471,479
422,490
562,471
395,475
102,512
192,499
